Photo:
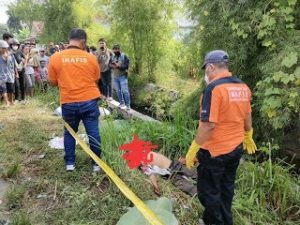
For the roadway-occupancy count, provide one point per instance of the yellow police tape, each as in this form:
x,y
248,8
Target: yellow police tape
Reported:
x,y
141,206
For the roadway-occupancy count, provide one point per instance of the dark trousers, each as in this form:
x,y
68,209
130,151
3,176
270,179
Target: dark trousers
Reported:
x,y
17,89
215,184
89,113
105,83
22,86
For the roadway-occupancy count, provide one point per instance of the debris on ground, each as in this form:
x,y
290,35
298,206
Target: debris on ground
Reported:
x,y
58,142
42,196
103,112
58,111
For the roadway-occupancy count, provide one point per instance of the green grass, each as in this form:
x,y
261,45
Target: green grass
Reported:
x,y
266,193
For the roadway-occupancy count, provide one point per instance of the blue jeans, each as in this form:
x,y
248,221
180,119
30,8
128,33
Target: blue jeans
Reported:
x,y
121,85
88,112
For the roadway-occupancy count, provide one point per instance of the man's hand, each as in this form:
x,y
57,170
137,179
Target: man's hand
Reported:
x,y
118,65
249,143
191,154
53,83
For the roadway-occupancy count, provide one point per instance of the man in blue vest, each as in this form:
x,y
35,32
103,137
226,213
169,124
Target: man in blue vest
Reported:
x,y
120,63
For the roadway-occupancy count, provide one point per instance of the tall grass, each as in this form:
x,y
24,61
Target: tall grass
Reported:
x,y
266,192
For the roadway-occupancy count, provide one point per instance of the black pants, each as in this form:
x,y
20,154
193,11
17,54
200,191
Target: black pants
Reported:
x,y
22,86
215,184
17,89
105,83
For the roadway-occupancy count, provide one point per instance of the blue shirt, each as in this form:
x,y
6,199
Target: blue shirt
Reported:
x,y
7,69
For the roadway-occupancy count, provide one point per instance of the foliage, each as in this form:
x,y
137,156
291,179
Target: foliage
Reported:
x,y
262,40
158,101
278,93
57,11
3,28
24,12
142,27
266,193
13,22
22,34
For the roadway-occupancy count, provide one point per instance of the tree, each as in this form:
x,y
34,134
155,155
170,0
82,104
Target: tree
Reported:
x,y
13,22
142,27
59,19
262,38
25,12
3,28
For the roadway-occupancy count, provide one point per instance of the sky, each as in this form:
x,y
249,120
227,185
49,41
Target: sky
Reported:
x,y
3,15
3,8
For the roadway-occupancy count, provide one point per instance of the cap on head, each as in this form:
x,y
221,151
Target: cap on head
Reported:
x,y
7,35
216,56
77,34
3,44
15,42
116,47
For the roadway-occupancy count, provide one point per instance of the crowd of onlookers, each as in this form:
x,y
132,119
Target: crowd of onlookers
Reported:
x,y
23,69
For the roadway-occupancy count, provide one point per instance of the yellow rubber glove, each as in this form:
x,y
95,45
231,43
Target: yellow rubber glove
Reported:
x,y
249,143
191,154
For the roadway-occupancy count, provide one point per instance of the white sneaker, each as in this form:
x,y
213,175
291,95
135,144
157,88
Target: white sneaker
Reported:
x,y
128,108
70,168
122,106
96,169
201,222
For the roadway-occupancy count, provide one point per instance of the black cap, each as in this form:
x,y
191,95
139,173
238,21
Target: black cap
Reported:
x,y
15,42
77,34
7,35
116,47
216,56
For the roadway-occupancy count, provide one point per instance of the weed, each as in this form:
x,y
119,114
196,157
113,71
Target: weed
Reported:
x,y
20,219
266,193
14,197
12,171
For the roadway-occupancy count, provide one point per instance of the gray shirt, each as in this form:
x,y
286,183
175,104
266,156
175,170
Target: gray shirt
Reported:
x,y
7,69
103,58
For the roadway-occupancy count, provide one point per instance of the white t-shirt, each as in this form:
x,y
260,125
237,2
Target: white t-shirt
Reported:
x,y
29,69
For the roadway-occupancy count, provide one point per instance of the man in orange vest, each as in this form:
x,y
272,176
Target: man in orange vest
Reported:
x,y
225,125
76,73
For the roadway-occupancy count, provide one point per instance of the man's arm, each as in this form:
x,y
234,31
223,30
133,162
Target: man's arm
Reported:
x,y
52,75
248,122
204,132
125,65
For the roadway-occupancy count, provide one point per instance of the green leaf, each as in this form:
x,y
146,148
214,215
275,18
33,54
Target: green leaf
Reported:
x,y
267,43
162,208
279,75
161,203
290,60
294,95
297,72
274,102
292,2
288,78
272,91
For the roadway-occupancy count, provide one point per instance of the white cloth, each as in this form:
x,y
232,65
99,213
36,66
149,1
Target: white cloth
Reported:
x,y
58,142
